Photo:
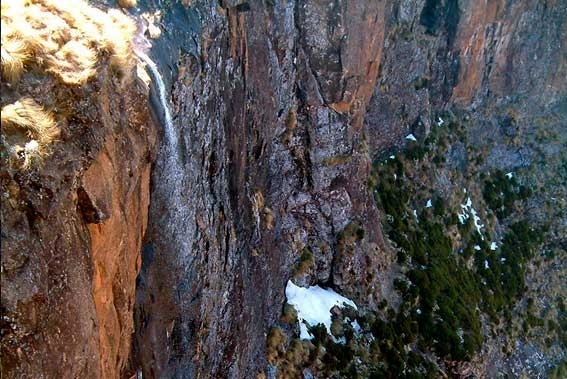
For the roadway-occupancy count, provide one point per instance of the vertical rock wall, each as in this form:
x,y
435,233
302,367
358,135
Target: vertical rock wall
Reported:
x,y
72,230
269,113
279,108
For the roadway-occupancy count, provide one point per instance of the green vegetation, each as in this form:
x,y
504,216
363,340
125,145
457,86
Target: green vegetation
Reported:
x,y
449,275
306,261
500,192
506,269
441,296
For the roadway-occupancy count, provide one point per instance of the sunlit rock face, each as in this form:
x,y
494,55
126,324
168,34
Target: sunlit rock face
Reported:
x,y
72,219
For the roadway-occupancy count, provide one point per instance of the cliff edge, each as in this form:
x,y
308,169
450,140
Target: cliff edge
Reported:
x,y
77,145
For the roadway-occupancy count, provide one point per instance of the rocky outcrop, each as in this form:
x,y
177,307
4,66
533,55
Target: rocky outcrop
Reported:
x,y
469,54
72,225
71,240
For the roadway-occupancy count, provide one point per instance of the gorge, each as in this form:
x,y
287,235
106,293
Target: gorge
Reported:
x,y
266,142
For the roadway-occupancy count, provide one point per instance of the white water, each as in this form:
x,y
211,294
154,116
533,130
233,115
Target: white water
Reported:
x,y
170,134
175,210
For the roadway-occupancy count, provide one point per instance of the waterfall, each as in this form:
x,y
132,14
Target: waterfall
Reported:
x,y
170,135
169,172
168,254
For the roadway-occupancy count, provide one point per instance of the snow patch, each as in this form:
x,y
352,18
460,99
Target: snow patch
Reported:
x,y
355,326
428,205
510,175
411,137
469,211
313,306
477,248
493,246
440,121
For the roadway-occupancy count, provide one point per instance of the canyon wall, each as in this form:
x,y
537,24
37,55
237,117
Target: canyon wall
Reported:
x,y
74,218
279,110
71,238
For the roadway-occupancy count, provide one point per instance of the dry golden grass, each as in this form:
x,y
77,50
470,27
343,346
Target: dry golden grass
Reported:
x,y
14,54
65,38
28,117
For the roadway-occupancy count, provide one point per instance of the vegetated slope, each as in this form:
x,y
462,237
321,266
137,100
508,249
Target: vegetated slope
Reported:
x,y
475,281
77,140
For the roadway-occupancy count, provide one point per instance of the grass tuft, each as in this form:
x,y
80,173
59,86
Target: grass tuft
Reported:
x,y
38,126
127,3
65,38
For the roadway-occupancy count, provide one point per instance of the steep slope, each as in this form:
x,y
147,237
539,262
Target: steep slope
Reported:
x,y
408,154
77,142
280,107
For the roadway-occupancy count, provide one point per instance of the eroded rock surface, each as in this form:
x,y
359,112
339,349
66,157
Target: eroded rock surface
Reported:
x,y
72,227
280,109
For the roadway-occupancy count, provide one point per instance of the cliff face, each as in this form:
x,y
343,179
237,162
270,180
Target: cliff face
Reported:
x,y
265,174
280,108
73,220
71,238
272,161
466,54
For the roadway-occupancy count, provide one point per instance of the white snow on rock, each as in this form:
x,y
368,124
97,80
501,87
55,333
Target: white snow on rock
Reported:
x,y
313,306
468,211
355,326
477,248
440,121
493,246
411,137
486,266
392,156
510,175
428,205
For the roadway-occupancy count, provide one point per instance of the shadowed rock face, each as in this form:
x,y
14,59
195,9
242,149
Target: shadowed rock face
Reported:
x,y
279,111
273,161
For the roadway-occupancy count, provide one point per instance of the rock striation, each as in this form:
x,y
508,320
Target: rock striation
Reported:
x,y
125,256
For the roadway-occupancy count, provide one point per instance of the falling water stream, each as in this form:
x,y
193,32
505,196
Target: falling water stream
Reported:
x,y
167,254
170,134
171,211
